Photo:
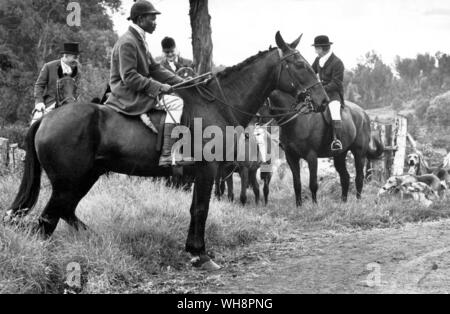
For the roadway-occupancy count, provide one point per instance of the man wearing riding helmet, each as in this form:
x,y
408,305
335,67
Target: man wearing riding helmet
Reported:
x,y
136,79
330,70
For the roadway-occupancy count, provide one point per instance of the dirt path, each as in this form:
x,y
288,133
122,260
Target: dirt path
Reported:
x,y
414,258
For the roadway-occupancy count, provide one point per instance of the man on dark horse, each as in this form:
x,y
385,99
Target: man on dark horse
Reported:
x,y
330,70
137,80
171,58
45,88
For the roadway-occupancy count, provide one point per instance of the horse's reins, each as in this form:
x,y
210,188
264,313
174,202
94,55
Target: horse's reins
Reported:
x,y
210,96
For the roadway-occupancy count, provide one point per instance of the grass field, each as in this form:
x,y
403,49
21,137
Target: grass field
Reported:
x,y
139,227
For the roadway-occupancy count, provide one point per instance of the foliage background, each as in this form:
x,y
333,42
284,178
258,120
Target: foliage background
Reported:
x,y
32,32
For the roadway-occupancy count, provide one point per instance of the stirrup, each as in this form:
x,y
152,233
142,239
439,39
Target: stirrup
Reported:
x,y
336,145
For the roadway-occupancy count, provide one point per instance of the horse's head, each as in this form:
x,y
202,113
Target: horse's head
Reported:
x,y
66,88
296,77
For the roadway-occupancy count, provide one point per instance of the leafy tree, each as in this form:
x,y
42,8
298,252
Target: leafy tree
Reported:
x,y
373,79
32,32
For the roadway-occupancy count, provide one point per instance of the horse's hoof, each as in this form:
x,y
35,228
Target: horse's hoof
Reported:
x,y
210,266
8,218
204,263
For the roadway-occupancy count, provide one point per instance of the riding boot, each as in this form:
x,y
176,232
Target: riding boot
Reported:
x,y
336,145
169,155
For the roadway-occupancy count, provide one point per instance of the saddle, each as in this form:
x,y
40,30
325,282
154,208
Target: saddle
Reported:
x,y
154,121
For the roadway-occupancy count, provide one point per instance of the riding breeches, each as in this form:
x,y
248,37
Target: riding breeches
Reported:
x,y
174,107
335,110
38,114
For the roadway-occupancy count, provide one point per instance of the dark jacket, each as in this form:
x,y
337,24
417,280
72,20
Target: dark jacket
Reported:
x,y
332,77
45,86
135,77
181,63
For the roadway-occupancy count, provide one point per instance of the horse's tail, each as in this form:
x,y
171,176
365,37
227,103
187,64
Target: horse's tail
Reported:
x,y
376,152
29,188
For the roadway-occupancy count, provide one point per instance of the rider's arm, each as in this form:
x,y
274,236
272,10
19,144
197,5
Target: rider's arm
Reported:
x,y
337,78
129,74
40,85
161,74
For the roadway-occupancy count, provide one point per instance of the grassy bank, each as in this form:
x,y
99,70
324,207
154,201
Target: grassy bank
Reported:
x,y
139,228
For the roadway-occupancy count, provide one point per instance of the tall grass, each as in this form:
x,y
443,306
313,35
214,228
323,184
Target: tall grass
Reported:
x,y
138,228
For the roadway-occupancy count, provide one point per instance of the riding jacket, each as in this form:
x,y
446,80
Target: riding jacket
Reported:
x,y
45,86
135,77
332,77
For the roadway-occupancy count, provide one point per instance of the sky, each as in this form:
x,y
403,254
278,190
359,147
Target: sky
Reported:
x,y
241,28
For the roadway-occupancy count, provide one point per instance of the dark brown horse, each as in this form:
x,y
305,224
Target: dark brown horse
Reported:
x,y
78,143
309,137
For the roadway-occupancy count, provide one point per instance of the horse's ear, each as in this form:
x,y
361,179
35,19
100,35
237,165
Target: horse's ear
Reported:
x,y
296,42
280,42
60,72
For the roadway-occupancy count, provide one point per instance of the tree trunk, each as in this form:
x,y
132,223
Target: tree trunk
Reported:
x,y
201,35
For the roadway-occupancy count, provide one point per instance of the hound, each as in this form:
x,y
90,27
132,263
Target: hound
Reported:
x,y
417,165
419,187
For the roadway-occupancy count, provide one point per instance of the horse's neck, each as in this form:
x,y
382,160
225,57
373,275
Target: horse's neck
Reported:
x,y
248,88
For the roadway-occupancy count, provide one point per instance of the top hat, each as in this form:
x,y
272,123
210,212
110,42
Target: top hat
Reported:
x,y
142,7
71,48
322,41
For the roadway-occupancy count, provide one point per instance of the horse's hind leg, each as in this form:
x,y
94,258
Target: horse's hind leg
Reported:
x,y
254,183
359,167
341,167
313,186
62,205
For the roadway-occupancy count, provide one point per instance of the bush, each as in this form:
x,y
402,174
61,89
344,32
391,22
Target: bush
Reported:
x,y
420,107
439,111
16,133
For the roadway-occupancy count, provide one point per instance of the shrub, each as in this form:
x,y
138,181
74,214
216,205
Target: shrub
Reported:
x,y
439,111
16,133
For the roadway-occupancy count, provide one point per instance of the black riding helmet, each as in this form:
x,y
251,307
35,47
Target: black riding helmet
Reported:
x,y
142,7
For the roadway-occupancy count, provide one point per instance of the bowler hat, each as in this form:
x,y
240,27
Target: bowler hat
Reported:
x,y
71,48
142,7
322,41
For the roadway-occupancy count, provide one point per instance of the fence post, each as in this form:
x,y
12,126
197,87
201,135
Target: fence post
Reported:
x,y
400,154
4,152
389,153
13,156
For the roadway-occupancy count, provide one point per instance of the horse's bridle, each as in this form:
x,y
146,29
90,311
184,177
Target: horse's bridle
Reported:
x,y
305,91
300,108
59,102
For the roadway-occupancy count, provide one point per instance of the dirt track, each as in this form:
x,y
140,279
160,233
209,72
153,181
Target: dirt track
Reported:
x,y
412,259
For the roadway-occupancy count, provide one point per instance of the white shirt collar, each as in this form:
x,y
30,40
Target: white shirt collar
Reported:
x,y
325,58
66,69
140,31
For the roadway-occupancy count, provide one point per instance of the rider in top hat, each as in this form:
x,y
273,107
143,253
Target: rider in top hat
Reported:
x,y
330,70
136,79
45,86
171,59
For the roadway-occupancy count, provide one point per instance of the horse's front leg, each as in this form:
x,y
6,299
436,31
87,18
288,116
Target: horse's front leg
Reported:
x,y
195,244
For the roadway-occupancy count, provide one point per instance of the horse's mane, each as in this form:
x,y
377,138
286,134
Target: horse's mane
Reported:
x,y
232,69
